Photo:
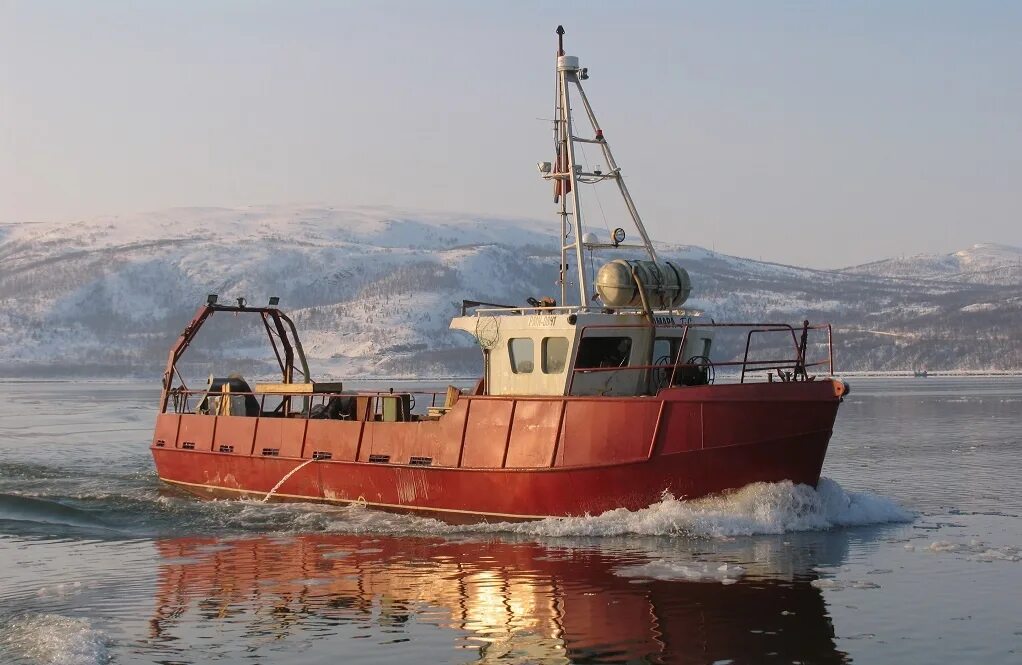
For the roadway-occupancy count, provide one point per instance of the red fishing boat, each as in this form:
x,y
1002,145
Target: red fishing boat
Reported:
x,y
607,400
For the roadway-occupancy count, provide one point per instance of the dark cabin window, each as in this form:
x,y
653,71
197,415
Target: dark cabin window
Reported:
x,y
603,352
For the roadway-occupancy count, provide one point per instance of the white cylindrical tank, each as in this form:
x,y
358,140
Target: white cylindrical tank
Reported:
x,y
666,285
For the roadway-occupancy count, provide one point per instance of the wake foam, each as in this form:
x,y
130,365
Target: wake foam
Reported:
x,y
51,639
760,508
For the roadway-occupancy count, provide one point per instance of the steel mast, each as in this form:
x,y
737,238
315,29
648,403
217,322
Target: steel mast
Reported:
x,y
567,176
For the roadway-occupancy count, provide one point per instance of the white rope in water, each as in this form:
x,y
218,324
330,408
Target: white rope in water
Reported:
x,y
286,476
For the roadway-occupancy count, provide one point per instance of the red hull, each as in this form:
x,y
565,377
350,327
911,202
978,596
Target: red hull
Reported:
x,y
517,458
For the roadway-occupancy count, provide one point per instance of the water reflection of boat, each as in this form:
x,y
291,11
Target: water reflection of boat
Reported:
x,y
513,602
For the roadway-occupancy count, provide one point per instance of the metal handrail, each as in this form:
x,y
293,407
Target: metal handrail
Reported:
x,y
576,309
796,363
314,398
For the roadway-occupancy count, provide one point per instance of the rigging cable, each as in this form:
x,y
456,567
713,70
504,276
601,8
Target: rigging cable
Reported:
x,y
596,194
606,225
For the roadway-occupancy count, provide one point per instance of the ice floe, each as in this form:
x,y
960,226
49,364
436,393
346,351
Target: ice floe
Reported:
x,y
687,570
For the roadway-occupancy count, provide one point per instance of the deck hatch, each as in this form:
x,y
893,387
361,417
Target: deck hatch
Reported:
x,y
379,459
321,454
421,461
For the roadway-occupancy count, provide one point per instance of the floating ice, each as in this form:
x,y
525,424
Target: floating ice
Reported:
x,y
832,584
51,639
689,570
60,589
977,550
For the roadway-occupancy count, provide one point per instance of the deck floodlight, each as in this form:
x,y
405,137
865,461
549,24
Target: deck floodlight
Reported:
x,y
274,300
211,299
544,167
241,303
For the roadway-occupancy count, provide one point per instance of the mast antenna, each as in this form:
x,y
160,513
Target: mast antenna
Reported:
x,y
567,174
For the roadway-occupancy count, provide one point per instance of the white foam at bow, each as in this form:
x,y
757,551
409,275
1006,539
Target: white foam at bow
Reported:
x,y
761,508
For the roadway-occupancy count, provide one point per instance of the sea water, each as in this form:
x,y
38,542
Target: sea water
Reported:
x,y
908,551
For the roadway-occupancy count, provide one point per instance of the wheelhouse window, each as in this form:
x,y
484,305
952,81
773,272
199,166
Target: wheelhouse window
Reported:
x,y
594,352
522,354
555,354
665,350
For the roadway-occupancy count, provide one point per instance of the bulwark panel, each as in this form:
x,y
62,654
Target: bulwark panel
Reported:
x,y
534,433
681,428
236,433
441,439
606,432
486,432
292,436
396,441
337,437
196,431
735,423
165,435
285,435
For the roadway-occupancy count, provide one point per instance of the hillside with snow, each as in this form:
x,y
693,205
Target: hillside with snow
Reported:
x,y
372,291
985,263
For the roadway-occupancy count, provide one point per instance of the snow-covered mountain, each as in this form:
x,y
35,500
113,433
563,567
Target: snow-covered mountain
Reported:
x,y
985,263
372,291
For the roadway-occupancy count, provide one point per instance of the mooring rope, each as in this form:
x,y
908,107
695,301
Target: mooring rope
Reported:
x,y
286,476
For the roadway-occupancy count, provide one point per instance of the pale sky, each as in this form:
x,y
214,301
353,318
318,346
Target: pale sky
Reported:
x,y
823,134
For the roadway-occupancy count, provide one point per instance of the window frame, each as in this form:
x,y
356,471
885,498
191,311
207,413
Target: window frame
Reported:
x,y
544,355
517,362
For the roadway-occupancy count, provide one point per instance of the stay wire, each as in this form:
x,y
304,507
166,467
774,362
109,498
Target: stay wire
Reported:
x,y
603,214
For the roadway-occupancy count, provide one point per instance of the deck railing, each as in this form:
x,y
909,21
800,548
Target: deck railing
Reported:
x,y
186,400
786,368
779,365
